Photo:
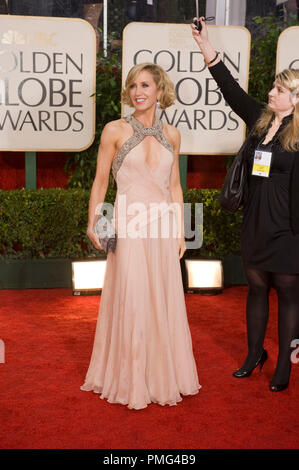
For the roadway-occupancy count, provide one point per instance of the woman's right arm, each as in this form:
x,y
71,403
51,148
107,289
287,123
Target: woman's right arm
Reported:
x,y
241,103
106,152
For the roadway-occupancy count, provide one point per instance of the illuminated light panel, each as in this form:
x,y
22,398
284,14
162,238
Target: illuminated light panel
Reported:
x,y
88,275
204,274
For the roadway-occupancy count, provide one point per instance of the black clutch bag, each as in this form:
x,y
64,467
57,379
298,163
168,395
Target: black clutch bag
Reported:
x,y
234,191
106,233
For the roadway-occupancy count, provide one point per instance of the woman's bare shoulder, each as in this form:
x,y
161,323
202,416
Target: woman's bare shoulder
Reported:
x,y
116,125
172,133
113,129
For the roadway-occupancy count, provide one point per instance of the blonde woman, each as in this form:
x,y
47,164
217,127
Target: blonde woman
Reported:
x,y
142,349
270,231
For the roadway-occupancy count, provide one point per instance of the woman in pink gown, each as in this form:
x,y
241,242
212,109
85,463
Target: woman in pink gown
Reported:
x,y
142,350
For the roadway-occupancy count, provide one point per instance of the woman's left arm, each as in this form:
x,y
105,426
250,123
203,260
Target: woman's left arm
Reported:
x,y
175,187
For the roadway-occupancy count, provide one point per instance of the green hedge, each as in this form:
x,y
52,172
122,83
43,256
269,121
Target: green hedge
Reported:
x,y
51,223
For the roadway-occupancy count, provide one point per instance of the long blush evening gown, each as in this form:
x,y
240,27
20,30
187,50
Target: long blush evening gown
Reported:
x,y
142,351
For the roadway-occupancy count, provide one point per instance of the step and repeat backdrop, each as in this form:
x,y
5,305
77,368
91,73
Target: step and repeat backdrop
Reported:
x,y
206,123
287,55
48,76
47,79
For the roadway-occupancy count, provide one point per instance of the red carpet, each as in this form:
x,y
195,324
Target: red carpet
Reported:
x,y
48,337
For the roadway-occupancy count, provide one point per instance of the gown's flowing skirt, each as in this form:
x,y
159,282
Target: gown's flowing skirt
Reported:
x,y
142,350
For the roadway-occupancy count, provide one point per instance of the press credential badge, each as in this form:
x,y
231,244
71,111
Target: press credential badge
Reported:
x,y
261,163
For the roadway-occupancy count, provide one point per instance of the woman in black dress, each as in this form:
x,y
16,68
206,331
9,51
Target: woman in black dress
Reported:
x,y
270,229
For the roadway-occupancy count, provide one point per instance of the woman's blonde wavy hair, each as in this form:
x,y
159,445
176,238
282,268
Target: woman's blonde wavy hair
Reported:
x,y
289,136
163,82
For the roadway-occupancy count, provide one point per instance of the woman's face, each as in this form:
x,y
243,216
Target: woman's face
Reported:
x,y
143,91
280,99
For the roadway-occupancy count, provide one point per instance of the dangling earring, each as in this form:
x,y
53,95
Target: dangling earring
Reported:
x,y
157,105
294,97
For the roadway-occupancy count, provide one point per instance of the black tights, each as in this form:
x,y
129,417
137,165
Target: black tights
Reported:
x,y
257,313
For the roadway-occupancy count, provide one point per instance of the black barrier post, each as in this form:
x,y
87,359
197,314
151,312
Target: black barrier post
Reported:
x,y
30,170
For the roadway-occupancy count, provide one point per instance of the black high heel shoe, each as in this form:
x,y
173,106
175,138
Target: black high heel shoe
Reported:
x,y
278,387
241,373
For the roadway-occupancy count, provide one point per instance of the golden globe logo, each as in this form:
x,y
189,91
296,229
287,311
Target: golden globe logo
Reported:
x,y
47,82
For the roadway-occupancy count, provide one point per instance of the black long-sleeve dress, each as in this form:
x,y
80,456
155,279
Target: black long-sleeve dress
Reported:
x,y
269,241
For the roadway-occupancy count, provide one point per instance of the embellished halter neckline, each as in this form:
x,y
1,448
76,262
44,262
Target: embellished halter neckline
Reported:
x,y
138,126
140,132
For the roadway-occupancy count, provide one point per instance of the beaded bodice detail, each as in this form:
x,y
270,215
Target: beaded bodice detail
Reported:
x,y
140,132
